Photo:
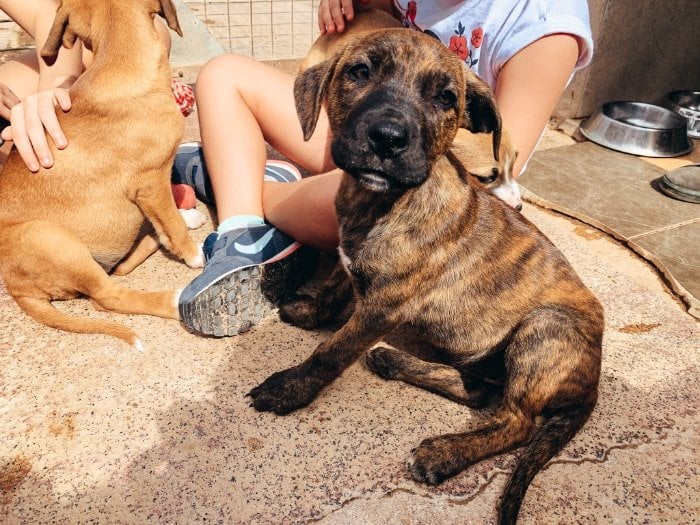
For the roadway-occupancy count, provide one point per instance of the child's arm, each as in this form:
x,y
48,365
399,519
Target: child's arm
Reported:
x,y
37,112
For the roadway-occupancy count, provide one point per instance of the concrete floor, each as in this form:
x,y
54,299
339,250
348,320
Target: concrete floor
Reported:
x,y
96,432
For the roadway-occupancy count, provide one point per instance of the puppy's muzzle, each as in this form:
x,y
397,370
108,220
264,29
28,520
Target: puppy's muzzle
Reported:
x,y
388,139
381,144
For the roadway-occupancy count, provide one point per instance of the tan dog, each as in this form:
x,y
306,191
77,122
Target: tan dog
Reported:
x,y
492,173
510,319
475,152
62,228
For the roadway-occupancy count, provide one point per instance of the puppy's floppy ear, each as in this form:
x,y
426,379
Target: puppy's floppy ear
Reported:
x,y
60,33
310,89
482,115
169,13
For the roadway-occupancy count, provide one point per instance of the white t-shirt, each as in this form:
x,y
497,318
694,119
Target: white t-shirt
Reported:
x,y
487,33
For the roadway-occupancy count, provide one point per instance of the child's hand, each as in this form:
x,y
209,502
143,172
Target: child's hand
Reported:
x,y
7,100
334,14
30,121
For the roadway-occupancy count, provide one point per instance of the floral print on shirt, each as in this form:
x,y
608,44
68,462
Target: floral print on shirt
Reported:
x,y
468,50
461,46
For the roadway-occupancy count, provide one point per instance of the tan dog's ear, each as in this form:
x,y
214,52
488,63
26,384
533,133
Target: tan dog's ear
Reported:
x,y
169,13
60,33
482,115
310,88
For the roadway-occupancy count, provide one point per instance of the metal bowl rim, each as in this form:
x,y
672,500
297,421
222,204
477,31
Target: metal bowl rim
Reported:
x,y
670,97
590,134
616,103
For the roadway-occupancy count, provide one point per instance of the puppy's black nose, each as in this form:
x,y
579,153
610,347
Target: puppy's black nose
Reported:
x,y
388,139
519,207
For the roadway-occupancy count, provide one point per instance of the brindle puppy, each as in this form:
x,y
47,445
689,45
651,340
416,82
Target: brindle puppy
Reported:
x,y
423,247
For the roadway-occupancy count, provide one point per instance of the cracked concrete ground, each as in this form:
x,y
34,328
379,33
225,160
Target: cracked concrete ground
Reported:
x,y
96,432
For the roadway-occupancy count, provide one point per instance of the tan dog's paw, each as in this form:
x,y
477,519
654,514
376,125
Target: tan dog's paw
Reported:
x,y
197,260
434,460
193,218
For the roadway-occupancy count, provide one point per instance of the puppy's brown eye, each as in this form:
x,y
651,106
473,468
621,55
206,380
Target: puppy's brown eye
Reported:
x,y
446,99
359,72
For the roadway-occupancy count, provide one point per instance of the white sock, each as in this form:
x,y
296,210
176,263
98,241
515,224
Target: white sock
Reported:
x,y
239,221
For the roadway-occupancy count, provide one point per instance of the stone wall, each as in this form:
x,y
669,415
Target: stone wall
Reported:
x,y
644,49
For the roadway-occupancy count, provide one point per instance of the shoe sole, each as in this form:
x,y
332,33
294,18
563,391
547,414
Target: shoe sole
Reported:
x,y
239,301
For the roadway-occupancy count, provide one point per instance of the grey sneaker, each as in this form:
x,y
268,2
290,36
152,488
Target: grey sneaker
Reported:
x,y
189,168
248,272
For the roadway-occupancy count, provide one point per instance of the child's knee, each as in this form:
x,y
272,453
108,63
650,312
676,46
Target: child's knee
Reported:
x,y
221,72
222,68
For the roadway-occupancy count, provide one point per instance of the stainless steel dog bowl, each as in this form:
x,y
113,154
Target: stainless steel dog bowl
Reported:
x,y
639,129
682,183
687,105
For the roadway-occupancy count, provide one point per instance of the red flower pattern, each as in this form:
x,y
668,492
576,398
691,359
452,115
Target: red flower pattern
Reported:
x,y
477,37
458,43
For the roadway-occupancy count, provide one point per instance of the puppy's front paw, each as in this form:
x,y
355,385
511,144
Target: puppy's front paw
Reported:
x,y
285,391
385,362
434,460
301,311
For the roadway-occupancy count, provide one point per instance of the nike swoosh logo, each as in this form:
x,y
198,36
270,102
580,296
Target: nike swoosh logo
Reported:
x,y
257,246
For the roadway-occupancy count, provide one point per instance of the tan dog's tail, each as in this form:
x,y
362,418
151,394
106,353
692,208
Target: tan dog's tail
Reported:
x,y
43,311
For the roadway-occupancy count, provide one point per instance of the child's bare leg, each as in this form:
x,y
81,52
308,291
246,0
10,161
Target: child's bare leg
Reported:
x,y
21,74
242,105
305,209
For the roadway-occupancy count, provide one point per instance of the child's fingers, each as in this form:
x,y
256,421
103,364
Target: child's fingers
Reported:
x,y
325,20
336,11
47,114
17,132
334,14
62,97
7,100
348,9
36,113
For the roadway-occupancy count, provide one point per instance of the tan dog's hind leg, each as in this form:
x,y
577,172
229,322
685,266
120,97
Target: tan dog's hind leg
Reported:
x,y
53,264
167,221
143,249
